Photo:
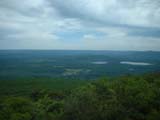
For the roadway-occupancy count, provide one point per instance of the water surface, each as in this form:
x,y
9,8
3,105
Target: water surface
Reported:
x,y
135,63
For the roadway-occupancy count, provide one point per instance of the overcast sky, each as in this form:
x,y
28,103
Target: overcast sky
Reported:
x,y
80,24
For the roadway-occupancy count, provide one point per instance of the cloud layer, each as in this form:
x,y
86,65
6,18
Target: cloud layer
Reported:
x,y
80,24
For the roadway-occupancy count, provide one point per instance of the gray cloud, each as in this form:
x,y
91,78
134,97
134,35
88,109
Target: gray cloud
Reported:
x,y
124,12
101,24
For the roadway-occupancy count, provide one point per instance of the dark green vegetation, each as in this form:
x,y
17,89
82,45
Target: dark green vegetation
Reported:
x,y
24,87
74,64
120,98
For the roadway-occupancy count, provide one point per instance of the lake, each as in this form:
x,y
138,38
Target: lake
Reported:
x,y
135,63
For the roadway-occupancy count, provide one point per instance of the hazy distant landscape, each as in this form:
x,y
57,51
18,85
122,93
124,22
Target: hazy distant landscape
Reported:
x,y
75,64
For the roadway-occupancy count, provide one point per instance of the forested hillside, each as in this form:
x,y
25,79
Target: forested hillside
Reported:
x,y
120,98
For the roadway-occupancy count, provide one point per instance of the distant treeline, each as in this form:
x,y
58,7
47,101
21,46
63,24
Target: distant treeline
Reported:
x,y
121,98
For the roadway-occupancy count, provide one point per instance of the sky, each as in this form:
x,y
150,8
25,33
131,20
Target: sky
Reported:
x,y
80,24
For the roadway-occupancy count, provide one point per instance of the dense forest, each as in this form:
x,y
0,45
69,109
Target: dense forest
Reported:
x,y
75,64
121,98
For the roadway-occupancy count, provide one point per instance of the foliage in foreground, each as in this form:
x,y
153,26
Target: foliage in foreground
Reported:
x,y
124,98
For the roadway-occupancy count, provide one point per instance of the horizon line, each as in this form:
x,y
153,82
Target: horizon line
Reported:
x,y
84,50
